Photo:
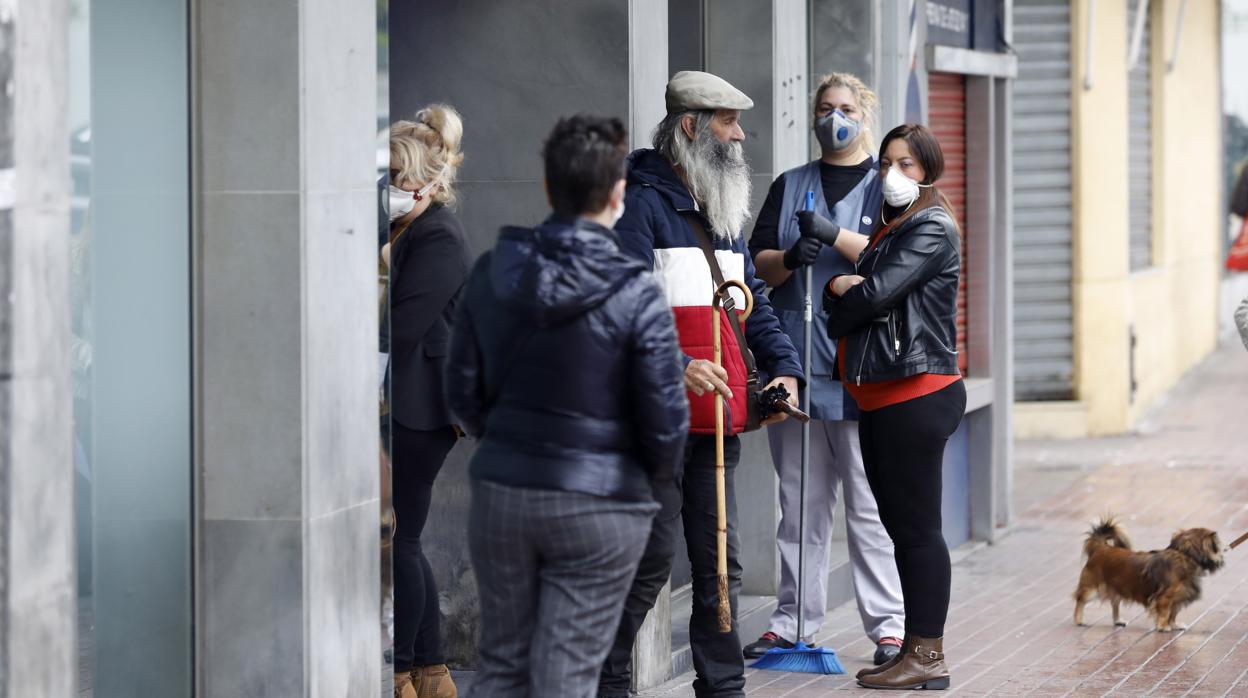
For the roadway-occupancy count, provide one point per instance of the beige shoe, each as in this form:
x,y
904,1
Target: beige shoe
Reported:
x,y
403,686
922,666
434,682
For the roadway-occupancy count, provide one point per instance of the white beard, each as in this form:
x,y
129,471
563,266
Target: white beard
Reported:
x,y
719,179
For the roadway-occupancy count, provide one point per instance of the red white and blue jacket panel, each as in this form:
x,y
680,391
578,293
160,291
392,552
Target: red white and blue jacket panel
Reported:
x,y
653,229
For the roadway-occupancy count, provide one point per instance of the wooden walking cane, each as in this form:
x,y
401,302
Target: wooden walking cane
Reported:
x,y
721,487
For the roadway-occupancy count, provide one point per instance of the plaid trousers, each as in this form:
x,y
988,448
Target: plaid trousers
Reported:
x,y
553,569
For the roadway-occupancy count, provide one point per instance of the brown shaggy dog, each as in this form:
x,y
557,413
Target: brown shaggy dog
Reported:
x,y
1163,581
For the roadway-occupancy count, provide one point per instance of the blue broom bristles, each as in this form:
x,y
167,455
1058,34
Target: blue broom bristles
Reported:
x,y
801,658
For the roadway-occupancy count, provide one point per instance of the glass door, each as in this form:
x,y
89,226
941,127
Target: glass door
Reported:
x,y
131,323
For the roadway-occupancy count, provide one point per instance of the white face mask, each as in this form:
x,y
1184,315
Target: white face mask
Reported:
x,y
401,203
899,190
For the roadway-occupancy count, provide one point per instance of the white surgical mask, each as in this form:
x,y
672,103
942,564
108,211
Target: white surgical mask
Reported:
x,y
401,203
619,213
899,190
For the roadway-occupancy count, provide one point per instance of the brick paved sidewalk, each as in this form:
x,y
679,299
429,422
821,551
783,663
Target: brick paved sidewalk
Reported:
x,y
1010,630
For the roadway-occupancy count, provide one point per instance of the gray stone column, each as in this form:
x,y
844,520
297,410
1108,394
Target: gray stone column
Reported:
x,y
37,647
286,340
647,83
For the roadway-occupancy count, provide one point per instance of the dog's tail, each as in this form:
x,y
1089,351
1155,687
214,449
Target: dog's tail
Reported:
x,y
1107,532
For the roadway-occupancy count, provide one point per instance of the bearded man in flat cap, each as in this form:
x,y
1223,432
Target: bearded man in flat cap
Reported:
x,y
690,192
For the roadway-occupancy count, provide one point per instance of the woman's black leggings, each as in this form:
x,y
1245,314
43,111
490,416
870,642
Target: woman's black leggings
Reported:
x,y
903,448
418,456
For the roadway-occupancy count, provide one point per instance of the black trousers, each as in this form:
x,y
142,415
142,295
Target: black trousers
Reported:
x,y
717,656
418,456
903,449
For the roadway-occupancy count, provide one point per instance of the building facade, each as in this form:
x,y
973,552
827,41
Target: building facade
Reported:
x,y
189,496
189,492
512,70
1118,207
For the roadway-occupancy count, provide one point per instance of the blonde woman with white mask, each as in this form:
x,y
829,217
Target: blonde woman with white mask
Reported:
x,y
429,263
789,238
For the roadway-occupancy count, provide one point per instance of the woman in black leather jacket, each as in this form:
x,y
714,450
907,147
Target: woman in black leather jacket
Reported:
x,y
564,362
895,320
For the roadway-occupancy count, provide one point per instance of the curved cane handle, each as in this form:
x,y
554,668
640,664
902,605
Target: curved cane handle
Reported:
x,y
745,291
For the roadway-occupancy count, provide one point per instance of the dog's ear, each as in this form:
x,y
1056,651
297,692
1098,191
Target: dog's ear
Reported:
x,y
1213,544
1213,550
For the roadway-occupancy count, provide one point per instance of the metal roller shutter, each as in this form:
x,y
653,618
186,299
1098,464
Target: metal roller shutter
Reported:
x,y
946,100
1043,320
1140,147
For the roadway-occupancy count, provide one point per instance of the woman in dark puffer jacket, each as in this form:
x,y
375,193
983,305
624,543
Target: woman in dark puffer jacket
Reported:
x,y
565,363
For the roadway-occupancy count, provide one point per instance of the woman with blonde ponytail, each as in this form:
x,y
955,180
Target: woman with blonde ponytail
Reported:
x,y
429,262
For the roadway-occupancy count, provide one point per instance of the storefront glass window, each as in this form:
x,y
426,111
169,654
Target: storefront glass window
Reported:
x,y
131,323
842,40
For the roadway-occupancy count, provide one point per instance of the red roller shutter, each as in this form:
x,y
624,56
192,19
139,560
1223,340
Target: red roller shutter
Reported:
x,y
946,99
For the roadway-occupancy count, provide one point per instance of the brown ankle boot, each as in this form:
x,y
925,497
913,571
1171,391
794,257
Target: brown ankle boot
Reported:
x,y
870,671
921,665
434,682
403,686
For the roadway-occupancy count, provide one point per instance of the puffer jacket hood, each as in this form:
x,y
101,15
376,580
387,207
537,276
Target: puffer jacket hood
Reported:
x,y
564,361
560,269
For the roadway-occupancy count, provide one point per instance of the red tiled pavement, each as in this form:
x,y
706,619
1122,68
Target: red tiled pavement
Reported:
x,y
1010,631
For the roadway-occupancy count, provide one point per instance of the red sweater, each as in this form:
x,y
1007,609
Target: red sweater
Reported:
x,y
874,396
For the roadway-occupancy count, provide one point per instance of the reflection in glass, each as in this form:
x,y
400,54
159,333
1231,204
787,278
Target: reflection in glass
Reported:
x,y
843,40
131,374
387,511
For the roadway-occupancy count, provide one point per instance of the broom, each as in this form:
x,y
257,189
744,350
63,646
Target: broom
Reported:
x,y
721,499
801,657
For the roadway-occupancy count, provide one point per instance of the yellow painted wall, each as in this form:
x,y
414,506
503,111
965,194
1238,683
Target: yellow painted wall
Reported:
x,y
1173,306
1099,195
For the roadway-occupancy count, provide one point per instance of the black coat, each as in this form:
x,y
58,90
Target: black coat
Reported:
x,y
902,321
428,265
565,363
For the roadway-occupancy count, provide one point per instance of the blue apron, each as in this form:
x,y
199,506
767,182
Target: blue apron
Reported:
x,y
857,211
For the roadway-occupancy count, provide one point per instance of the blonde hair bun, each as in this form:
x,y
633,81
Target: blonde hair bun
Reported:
x,y
427,148
447,123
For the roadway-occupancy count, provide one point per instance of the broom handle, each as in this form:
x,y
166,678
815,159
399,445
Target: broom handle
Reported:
x,y
721,503
807,319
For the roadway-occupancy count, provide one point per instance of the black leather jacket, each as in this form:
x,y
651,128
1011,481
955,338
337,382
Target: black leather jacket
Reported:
x,y
902,321
564,361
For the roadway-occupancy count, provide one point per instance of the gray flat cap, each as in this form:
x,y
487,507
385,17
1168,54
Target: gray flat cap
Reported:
x,y
693,89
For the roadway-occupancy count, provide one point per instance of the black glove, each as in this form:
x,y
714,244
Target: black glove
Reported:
x,y
813,225
803,252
